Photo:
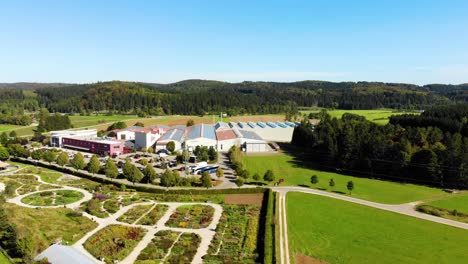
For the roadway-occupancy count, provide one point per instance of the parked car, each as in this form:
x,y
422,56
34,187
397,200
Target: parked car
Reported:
x,y
165,151
171,164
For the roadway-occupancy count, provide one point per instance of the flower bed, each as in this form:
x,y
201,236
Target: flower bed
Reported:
x,y
114,242
184,249
134,213
191,216
153,217
158,247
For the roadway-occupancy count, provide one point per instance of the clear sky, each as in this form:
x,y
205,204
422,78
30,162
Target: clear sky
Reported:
x,y
234,40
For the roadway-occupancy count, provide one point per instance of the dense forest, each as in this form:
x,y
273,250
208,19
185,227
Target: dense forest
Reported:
x,y
430,149
198,97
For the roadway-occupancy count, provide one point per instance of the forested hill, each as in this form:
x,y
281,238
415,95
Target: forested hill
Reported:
x,y
201,96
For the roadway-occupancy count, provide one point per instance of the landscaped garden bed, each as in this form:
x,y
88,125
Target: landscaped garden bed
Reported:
x,y
134,213
114,242
191,216
158,247
184,249
236,236
52,198
154,215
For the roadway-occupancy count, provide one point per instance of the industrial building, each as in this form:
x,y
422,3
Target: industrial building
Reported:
x,y
200,135
96,146
175,134
57,136
147,137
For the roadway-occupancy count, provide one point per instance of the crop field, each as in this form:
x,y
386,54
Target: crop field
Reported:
x,y
114,242
379,116
52,198
336,231
294,173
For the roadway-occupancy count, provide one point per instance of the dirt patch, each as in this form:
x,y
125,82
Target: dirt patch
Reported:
x,y
304,259
255,198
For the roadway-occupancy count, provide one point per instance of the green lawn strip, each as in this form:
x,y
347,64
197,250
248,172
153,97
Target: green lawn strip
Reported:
x,y
4,259
184,249
191,216
458,202
46,175
157,248
233,234
52,198
134,213
84,121
342,232
46,225
154,215
368,189
6,127
114,242
379,116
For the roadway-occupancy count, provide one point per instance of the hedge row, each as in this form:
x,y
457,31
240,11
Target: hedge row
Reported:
x,y
269,242
140,188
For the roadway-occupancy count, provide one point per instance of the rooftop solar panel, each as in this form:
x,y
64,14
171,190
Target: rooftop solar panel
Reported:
x,y
195,132
209,131
250,135
261,124
251,124
291,124
281,124
270,124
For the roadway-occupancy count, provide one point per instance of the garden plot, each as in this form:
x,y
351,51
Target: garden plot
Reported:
x,y
191,216
114,243
184,249
134,213
158,248
52,198
154,215
235,240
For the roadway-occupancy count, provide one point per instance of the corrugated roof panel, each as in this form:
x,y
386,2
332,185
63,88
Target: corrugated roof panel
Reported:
x,y
250,135
209,132
195,132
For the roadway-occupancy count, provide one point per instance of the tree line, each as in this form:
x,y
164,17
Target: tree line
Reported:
x,y
415,150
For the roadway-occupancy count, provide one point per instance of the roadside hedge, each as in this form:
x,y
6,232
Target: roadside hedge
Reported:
x,y
269,242
148,189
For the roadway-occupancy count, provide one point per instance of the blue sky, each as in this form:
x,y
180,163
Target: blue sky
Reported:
x,y
234,40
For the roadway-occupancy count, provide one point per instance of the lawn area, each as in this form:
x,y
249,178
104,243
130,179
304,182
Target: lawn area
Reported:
x,y
92,120
52,198
3,259
284,166
379,116
6,127
341,232
47,175
45,226
114,242
459,203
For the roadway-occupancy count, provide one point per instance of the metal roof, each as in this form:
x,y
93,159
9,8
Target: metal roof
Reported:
x,y
59,254
250,135
203,130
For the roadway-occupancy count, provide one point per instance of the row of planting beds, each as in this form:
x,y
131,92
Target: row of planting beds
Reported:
x,y
134,213
157,249
52,198
154,215
114,243
191,216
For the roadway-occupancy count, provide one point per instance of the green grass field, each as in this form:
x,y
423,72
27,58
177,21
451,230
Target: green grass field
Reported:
x,y
6,127
459,203
93,120
368,189
341,232
379,116
3,259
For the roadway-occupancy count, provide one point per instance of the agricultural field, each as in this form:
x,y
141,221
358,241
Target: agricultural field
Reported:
x,y
78,121
343,232
114,242
132,215
191,216
296,173
379,116
157,249
52,198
